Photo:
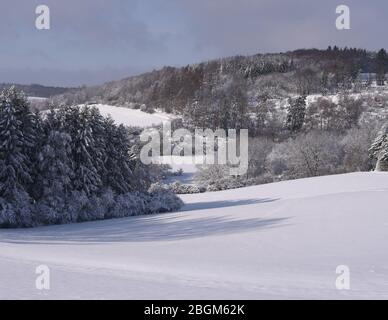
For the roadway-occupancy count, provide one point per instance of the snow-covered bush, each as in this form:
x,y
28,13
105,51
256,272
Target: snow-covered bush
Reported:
x,y
179,188
355,145
77,208
161,199
46,214
324,114
308,155
226,184
210,174
130,204
7,214
259,149
18,213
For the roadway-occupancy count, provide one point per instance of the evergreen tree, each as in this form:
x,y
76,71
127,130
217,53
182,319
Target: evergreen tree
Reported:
x,y
100,144
55,174
237,102
16,144
119,175
70,165
76,122
86,177
381,67
296,113
38,126
53,121
379,150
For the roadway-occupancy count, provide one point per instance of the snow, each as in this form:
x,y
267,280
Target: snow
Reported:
x,y
188,164
36,98
282,240
133,117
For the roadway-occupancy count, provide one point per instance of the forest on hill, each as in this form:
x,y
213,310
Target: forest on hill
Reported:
x,y
254,78
37,90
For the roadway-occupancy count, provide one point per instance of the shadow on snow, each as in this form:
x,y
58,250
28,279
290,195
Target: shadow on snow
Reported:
x,y
161,227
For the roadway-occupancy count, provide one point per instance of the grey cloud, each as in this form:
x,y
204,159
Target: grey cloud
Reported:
x,y
96,40
248,26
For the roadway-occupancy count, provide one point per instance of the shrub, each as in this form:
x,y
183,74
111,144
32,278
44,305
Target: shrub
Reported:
x,y
308,155
162,199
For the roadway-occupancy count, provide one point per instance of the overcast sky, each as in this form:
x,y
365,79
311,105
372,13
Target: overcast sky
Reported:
x,y
93,41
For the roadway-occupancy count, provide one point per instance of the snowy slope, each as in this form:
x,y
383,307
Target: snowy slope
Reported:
x,y
132,117
36,99
281,240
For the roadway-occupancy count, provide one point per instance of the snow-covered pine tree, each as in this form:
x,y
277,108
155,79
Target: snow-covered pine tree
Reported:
x,y
381,66
296,113
76,122
54,176
379,149
53,120
119,176
100,145
17,139
38,126
70,165
86,177
142,174
16,143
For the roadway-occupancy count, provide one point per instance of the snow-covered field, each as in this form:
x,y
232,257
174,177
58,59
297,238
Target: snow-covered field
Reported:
x,y
282,240
36,99
132,117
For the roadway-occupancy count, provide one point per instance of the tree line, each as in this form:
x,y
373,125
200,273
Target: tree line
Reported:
x,y
69,165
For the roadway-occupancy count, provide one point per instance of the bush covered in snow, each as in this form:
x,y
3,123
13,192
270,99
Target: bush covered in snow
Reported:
x,y
216,178
178,188
308,154
70,165
162,199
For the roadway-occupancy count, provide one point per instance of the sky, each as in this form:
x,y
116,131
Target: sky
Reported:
x,y
93,41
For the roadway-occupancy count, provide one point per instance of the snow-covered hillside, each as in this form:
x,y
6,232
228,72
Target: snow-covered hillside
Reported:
x,y
37,99
282,240
132,117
